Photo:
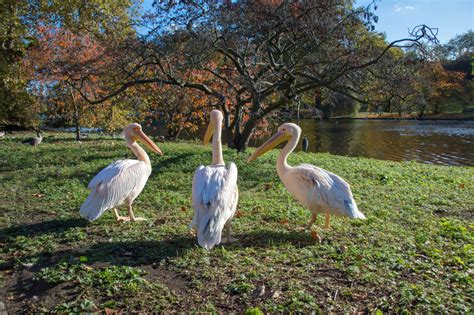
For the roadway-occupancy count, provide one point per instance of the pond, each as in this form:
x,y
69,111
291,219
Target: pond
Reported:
x,y
436,142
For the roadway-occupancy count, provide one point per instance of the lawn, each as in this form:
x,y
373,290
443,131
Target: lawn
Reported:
x,y
415,251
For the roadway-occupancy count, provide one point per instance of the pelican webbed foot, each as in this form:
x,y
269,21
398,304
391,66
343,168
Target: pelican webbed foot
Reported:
x,y
228,240
134,219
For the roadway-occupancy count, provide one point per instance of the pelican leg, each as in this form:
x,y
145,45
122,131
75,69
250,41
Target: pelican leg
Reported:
x,y
314,234
119,218
228,237
132,216
327,225
310,224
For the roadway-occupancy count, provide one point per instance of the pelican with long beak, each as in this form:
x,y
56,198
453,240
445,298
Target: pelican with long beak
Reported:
x,y
215,193
122,181
317,189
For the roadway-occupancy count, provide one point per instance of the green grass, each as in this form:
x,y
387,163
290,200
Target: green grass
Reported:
x,y
414,252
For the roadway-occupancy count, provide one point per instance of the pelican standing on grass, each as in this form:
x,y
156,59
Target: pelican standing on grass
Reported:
x,y
122,181
215,192
317,189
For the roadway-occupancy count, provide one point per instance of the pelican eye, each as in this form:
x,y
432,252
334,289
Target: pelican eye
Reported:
x,y
136,129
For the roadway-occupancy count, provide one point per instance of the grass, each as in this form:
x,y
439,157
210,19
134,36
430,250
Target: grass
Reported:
x,y
414,252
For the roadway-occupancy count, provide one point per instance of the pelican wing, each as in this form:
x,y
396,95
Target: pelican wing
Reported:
x,y
329,190
214,201
113,185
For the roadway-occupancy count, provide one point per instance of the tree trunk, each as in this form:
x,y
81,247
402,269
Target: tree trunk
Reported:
x,y
241,140
76,116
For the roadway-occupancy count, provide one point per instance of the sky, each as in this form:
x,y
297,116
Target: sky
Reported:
x,y
451,17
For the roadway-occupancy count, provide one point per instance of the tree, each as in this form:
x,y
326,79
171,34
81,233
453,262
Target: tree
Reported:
x,y
259,55
179,109
18,33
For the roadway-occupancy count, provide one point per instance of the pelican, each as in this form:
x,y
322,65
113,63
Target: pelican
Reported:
x,y
317,189
35,140
122,181
215,192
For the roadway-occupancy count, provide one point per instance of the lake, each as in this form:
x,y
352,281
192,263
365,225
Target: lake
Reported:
x,y
435,142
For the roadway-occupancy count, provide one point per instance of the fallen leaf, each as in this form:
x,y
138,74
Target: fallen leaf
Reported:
x,y
461,185
184,209
111,311
284,221
268,186
239,214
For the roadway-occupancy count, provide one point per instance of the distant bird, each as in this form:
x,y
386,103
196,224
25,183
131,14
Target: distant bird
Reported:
x,y
305,144
122,181
215,193
317,189
2,134
35,140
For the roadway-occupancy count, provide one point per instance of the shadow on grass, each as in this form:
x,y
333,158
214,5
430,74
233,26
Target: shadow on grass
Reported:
x,y
166,163
35,229
269,238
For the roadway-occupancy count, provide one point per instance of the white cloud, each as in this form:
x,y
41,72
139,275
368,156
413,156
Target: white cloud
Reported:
x,y
397,8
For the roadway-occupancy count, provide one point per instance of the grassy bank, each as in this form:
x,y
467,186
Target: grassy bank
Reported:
x,y
415,252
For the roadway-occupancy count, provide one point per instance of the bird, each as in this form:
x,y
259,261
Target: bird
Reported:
x,y
2,134
122,181
215,192
305,144
35,140
319,190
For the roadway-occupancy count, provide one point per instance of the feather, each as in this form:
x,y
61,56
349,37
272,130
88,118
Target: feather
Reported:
x,y
120,182
327,190
215,198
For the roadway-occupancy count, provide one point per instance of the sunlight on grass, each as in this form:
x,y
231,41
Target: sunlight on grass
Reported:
x,y
414,252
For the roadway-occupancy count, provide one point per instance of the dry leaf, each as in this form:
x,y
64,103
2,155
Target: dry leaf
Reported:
x,y
111,311
284,221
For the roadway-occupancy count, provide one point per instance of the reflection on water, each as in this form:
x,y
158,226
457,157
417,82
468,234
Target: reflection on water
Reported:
x,y
437,142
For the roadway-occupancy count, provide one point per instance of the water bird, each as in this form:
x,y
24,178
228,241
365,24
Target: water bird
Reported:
x,y
317,189
122,181
215,192
305,144
35,140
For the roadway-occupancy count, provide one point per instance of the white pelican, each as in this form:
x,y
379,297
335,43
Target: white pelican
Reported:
x,y
215,192
122,181
317,189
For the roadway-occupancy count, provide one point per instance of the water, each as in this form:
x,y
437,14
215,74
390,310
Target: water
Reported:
x,y
435,142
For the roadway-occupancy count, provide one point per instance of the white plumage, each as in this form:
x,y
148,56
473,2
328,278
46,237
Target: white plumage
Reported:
x,y
117,184
122,181
317,189
322,191
215,193
215,198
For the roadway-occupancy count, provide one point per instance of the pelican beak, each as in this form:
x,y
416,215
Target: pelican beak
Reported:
x,y
147,141
275,140
209,132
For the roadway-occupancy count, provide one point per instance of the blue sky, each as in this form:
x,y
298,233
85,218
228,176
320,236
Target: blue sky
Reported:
x,y
451,17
